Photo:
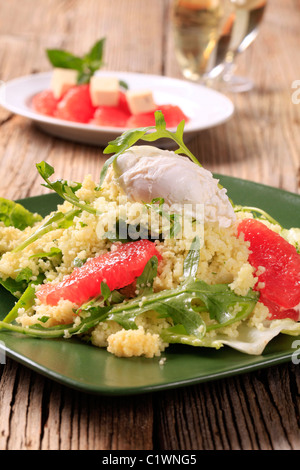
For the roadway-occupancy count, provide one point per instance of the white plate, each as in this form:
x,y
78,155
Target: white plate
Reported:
x,y
205,107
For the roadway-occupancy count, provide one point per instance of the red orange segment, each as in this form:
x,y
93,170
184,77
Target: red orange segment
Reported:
x,y
117,269
279,281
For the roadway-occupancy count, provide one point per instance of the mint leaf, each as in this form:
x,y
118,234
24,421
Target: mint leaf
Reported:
x,y
123,84
65,60
86,65
95,56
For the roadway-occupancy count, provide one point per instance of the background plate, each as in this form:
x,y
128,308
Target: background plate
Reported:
x,y
205,107
94,370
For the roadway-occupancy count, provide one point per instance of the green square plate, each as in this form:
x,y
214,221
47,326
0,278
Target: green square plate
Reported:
x,y
94,370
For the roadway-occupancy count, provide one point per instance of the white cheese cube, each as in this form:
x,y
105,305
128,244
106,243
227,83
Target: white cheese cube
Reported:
x,y
140,101
104,91
62,80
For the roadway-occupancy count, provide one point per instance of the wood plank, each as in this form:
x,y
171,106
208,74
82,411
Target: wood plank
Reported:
x,y
256,411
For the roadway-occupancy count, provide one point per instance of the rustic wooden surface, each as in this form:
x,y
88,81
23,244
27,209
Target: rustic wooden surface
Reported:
x,y
259,410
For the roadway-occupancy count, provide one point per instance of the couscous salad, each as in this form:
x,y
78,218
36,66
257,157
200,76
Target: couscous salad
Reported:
x,y
153,254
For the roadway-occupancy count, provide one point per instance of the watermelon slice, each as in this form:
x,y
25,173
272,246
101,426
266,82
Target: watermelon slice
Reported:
x,y
45,103
110,116
279,281
117,269
76,105
172,114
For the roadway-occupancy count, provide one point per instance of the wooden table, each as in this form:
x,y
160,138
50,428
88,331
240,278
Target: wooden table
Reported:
x,y
258,410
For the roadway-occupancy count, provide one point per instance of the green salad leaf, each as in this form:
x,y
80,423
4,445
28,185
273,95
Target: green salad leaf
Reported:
x,y
13,286
63,188
13,214
56,221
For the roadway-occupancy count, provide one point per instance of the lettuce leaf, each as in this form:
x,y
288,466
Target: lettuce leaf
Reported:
x,y
13,214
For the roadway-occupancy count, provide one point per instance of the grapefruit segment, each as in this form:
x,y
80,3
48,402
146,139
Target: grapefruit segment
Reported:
x,y
117,269
279,281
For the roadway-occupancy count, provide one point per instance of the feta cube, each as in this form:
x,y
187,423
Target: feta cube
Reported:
x,y
62,80
140,101
104,90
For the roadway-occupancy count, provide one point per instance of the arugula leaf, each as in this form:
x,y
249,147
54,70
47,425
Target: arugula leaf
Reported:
x,y
145,281
183,305
14,287
123,232
25,301
255,210
63,188
105,291
54,222
130,137
179,305
17,286
173,220
40,331
15,215
53,252
24,274
191,262
177,334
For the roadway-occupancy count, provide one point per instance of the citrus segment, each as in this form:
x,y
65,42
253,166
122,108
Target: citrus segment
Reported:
x,y
278,267
117,269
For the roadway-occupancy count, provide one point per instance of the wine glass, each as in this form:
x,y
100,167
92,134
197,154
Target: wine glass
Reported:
x,y
201,37
208,35
248,16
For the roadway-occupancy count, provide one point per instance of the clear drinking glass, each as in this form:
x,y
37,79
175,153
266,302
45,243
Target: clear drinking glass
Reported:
x,y
208,34
248,16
